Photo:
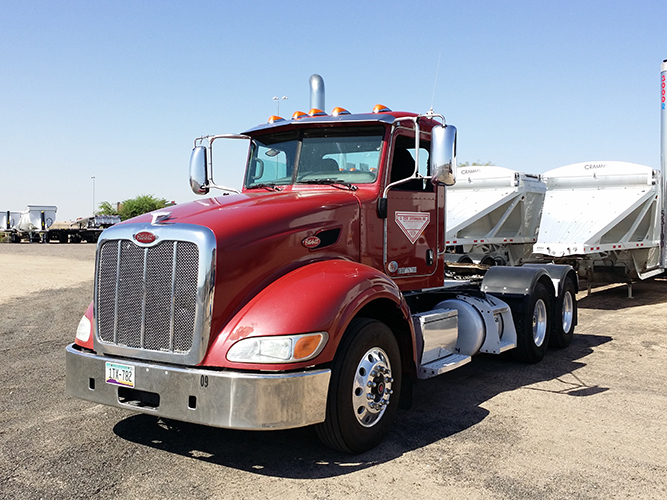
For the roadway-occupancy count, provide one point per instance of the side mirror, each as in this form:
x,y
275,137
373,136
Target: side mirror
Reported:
x,y
443,155
199,171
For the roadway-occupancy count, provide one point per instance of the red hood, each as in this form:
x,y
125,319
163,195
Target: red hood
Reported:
x,y
260,237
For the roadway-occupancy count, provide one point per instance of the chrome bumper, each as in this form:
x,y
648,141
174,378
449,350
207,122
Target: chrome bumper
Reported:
x,y
229,399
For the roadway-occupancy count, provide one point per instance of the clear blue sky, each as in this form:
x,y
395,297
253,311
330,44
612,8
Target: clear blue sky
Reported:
x,y
119,89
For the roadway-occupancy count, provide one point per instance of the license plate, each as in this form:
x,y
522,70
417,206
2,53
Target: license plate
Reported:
x,y
117,374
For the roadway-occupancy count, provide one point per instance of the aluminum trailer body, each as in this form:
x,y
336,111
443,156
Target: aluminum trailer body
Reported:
x,y
605,216
10,219
493,215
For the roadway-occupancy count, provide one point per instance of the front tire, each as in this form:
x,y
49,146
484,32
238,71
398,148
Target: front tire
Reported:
x,y
364,389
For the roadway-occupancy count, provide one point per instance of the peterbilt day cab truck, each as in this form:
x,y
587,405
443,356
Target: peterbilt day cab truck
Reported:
x,y
315,296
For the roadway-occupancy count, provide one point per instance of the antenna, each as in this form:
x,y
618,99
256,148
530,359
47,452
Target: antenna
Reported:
x,y
437,70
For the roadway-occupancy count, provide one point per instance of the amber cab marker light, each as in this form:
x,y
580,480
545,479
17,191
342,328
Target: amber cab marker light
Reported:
x,y
298,114
379,108
316,112
337,111
274,119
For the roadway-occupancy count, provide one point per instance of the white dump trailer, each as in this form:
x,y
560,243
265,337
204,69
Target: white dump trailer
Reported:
x,y
32,224
10,219
493,215
603,216
37,218
37,224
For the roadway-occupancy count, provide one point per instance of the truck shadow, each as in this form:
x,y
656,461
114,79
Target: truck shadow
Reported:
x,y
644,293
443,406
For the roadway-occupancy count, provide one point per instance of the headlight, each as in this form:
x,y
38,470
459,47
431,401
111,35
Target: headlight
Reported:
x,y
83,330
280,349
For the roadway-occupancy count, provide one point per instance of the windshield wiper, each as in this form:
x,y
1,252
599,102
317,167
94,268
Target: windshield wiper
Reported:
x,y
330,182
265,185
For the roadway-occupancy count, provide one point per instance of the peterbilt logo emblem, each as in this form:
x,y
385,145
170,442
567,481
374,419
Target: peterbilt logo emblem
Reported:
x,y
311,242
145,237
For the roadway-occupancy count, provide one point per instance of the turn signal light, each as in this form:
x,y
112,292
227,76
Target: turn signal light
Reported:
x,y
306,346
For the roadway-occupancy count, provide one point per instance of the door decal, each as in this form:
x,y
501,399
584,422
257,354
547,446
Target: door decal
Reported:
x,y
412,224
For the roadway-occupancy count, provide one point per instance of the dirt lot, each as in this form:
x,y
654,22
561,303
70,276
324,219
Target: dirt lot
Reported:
x,y
588,422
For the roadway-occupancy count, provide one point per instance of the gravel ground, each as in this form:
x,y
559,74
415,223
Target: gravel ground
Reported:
x,y
588,422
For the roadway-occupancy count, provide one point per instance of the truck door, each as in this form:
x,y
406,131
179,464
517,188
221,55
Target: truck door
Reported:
x,y
414,221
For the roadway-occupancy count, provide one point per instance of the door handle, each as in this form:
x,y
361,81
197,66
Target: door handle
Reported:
x,y
429,257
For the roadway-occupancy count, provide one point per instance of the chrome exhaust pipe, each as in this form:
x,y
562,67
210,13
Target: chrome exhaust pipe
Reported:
x,y
316,92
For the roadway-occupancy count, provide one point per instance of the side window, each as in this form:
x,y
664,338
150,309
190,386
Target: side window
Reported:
x,y
403,163
275,164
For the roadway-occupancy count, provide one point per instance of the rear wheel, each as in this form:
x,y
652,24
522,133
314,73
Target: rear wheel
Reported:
x,y
533,328
364,389
566,312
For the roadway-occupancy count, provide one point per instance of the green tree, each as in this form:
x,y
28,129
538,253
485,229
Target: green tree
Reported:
x,y
133,207
106,208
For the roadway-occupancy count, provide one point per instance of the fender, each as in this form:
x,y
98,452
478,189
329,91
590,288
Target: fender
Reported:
x,y
558,273
322,296
515,285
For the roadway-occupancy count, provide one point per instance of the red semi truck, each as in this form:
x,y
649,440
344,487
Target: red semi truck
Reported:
x,y
315,296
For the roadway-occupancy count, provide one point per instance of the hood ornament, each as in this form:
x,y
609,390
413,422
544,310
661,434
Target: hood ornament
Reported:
x,y
160,217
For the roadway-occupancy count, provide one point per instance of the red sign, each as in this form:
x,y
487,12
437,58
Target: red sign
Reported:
x,y
412,223
311,242
145,237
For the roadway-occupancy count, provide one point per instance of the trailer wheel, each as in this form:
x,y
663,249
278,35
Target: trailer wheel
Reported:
x,y
566,312
533,328
364,389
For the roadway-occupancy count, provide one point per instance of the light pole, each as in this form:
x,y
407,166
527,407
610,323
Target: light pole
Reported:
x,y
278,99
93,178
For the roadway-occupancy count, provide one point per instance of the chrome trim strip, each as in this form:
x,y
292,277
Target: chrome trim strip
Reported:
x,y
228,399
205,240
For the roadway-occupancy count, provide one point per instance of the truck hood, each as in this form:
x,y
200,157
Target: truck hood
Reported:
x,y
261,236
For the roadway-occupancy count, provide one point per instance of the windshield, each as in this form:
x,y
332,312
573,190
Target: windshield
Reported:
x,y
348,155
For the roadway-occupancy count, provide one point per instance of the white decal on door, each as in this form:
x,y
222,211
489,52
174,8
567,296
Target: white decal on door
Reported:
x,y
412,223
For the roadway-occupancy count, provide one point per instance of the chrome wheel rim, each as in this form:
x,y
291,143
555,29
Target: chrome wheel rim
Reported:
x,y
539,322
371,389
568,312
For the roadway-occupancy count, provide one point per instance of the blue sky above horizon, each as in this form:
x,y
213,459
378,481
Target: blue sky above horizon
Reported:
x,y
119,89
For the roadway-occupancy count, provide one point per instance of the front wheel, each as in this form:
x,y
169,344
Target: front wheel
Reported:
x,y
364,389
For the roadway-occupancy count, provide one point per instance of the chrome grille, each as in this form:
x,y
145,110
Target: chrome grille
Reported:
x,y
147,296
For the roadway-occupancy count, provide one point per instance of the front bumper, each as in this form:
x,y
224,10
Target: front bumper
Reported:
x,y
229,399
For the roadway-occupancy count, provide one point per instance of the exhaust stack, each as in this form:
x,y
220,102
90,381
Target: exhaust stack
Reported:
x,y
316,92
663,163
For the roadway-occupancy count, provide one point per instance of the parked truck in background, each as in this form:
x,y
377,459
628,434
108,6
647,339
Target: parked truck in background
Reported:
x,y
317,295
37,224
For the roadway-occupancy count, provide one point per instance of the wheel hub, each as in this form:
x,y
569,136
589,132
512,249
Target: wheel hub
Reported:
x,y
568,312
371,390
539,322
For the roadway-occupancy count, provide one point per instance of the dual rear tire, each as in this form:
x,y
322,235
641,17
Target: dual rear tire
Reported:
x,y
539,326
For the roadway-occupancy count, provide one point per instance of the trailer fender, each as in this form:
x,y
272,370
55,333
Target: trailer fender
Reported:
x,y
322,296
